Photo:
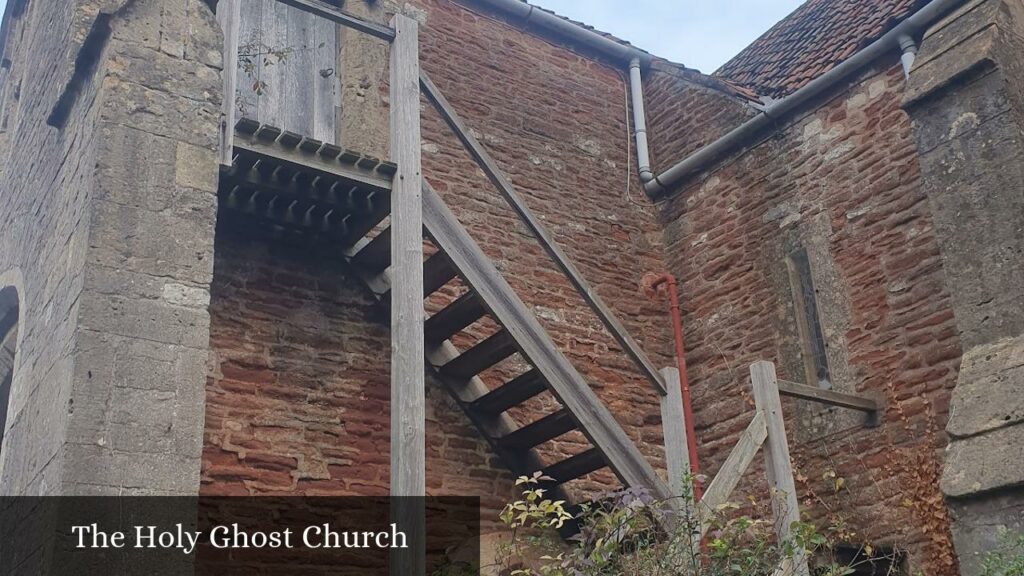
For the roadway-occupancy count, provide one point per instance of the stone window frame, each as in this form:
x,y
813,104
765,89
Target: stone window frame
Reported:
x,y
808,318
10,319
813,233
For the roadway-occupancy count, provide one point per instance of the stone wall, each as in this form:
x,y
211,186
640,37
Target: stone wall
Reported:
x,y
966,97
841,181
110,115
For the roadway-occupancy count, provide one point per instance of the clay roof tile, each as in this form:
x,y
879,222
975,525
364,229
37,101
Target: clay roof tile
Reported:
x,y
812,40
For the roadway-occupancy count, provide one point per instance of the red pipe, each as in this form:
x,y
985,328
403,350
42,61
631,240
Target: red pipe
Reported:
x,y
677,327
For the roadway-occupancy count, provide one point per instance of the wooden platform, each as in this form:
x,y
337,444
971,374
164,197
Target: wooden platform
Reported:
x,y
297,185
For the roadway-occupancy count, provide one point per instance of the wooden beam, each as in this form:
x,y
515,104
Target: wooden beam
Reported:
x,y
333,14
508,191
732,470
785,504
408,386
829,397
230,17
673,426
299,160
536,346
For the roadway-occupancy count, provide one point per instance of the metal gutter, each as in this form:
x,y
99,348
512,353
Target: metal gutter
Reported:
x,y
914,24
534,17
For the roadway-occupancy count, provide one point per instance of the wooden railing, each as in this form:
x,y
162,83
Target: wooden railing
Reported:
x,y
768,430
511,195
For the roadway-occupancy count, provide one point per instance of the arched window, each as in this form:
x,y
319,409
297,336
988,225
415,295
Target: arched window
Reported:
x,y
8,341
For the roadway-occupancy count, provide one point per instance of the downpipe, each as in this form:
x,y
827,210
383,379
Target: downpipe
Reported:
x,y
651,284
636,89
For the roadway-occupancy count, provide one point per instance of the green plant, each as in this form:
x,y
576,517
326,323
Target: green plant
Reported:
x,y
628,533
1008,557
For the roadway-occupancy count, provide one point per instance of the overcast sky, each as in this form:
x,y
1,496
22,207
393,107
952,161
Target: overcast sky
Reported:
x,y
701,34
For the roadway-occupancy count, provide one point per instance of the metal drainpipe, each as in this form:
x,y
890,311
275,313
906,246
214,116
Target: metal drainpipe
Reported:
x,y
636,89
909,48
669,281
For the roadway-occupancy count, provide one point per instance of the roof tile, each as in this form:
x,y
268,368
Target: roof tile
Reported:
x,y
811,41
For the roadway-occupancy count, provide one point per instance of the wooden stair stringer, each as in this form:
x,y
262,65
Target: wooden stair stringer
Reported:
x,y
536,346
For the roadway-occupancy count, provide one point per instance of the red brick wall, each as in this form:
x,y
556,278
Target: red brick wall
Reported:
x,y
687,111
298,396
300,382
852,166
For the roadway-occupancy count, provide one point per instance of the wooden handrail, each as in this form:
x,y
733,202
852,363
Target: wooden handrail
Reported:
x,y
508,191
324,10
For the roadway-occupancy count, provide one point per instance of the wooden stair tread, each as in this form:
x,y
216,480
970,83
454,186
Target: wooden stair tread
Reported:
x,y
454,318
513,393
481,357
547,428
437,271
576,467
375,257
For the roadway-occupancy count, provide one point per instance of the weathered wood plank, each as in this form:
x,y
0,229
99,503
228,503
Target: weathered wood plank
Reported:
x,y
505,187
375,257
325,80
455,317
830,397
407,314
537,347
673,426
515,392
273,101
785,504
324,10
408,379
301,160
229,16
732,470
250,35
536,433
284,51
576,466
298,78
474,361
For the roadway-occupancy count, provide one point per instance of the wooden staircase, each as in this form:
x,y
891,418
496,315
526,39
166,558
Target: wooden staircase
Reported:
x,y
299,186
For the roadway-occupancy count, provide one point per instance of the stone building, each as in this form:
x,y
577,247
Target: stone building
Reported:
x,y
844,198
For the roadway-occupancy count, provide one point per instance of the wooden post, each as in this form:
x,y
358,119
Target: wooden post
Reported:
x,y
673,425
230,18
785,504
408,402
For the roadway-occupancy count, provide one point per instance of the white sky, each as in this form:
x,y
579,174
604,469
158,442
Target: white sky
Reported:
x,y
701,34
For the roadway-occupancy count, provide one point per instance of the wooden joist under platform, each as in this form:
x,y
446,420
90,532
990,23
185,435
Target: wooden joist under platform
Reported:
x,y
297,185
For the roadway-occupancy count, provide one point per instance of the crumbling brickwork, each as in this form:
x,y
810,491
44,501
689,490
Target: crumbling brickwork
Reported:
x,y
843,182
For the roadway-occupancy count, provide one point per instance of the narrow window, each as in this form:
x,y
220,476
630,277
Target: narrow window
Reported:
x,y
8,339
812,338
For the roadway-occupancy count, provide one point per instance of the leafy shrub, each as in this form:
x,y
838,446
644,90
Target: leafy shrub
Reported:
x,y
1008,557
